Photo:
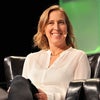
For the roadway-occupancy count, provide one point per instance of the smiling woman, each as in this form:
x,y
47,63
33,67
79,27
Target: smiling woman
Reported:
x,y
56,29
57,22
58,62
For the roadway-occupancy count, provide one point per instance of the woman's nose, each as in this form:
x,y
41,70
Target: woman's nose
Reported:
x,y
56,26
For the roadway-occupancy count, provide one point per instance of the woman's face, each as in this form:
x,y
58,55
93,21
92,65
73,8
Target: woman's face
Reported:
x,y
56,28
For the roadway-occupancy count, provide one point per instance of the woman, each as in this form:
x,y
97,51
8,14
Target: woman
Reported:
x,y
58,62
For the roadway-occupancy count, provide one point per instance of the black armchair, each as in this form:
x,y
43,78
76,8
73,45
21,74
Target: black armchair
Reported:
x,y
94,60
78,90
13,66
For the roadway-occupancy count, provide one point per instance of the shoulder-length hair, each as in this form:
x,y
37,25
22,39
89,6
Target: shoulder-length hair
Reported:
x,y
40,40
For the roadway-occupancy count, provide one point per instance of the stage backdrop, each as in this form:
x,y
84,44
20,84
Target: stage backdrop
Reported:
x,y
85,18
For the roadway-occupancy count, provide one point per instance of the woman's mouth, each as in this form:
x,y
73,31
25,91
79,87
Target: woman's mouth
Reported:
x,y
56,34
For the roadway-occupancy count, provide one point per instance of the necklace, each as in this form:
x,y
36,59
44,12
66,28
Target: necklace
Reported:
x,y
55,54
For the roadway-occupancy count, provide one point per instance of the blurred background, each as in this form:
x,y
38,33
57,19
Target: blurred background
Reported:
x,y
19,20
85,18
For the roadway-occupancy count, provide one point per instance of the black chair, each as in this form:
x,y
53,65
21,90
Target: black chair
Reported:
x,y
78,89
75,91
92,89
94,60
13,66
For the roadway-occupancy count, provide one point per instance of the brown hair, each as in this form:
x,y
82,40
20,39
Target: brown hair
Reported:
x,y
41,40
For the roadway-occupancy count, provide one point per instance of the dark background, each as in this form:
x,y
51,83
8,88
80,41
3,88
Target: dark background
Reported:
x,y
18,24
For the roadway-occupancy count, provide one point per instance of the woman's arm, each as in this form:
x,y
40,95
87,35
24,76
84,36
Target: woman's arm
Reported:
x,y
83,70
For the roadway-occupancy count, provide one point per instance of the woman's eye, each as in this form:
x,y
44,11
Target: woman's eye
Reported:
x,y
50,22
61,22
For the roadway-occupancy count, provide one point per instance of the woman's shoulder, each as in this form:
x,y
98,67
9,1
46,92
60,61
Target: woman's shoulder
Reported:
x,y
78,51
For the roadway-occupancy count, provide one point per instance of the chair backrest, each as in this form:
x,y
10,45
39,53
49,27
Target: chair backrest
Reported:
x,y
94,60
13,66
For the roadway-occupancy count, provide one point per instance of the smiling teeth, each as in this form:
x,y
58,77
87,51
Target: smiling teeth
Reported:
x,y
56,34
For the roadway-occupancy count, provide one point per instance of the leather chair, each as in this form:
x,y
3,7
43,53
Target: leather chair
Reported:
x,y
94,60
13,66
78,89
92,89
88,89
84,90
75,90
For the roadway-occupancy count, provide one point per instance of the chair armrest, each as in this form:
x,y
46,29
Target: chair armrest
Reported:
x,y
88,89
75,90
92,89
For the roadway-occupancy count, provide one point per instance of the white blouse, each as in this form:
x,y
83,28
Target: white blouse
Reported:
x,y
72,64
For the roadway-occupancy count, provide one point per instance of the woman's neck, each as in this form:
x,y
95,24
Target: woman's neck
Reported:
x,y
55,51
